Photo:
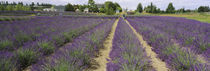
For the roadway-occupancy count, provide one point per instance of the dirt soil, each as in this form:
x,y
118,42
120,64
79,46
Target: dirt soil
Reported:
x,y
100,62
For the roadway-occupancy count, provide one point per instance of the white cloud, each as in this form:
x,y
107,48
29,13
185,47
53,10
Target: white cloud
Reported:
x,y
131,4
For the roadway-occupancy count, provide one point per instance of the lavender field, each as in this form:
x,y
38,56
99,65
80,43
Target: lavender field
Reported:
x,y
111,43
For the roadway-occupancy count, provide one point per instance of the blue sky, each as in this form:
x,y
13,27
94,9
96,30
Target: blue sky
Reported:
x,y
131,4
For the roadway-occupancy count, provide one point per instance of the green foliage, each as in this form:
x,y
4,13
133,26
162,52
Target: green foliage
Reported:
x,y
22,38
102,10
182,10
139,8
91,2
7,65
46,47
80,54
184,60
62,65
82,7
151,9
110,8
10,8
204,46
203,9
118,7
170,8
14,7
70,35
20,7
5,43
69,7
92,6
2,8
26,57
58,41
189,40
169,49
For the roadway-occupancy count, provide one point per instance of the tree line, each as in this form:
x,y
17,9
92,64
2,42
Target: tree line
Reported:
x,y
5,6
170,9
108,7
19,6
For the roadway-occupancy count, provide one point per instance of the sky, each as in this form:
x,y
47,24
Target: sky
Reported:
x,y
130,4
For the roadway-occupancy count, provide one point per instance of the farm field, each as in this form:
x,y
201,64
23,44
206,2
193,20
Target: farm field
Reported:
x,y
111,43
203,17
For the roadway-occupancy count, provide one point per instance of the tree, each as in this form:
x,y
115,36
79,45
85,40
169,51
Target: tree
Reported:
x,y
110,8
91,2
170,8
102,9
32,4
92,6
20,3
82,7
95,8
76,7
10,8
117,7
69,7
18,7
139,8
203,9
151,8
182,10
2,7
37,4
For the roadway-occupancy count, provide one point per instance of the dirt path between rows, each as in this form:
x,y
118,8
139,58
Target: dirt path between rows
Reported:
x,y
156,62
100,63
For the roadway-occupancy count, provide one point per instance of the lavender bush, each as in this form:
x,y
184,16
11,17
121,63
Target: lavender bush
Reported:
x,y
76,56
187,33
127,53
46,41
164,44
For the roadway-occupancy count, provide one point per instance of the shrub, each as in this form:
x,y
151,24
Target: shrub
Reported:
x,y
5,43
59,41
189,40
22,38
7,65
70,35
79,54
26,57
46,47
62,65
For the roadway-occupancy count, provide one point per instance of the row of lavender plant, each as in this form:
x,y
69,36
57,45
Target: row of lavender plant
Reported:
x,y
20,33
187,33
34,51
15,18
178,59
77,55
127,53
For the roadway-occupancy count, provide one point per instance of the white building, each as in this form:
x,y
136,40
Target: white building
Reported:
x,y
50,9
55,9
86,10
117,11
77,10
